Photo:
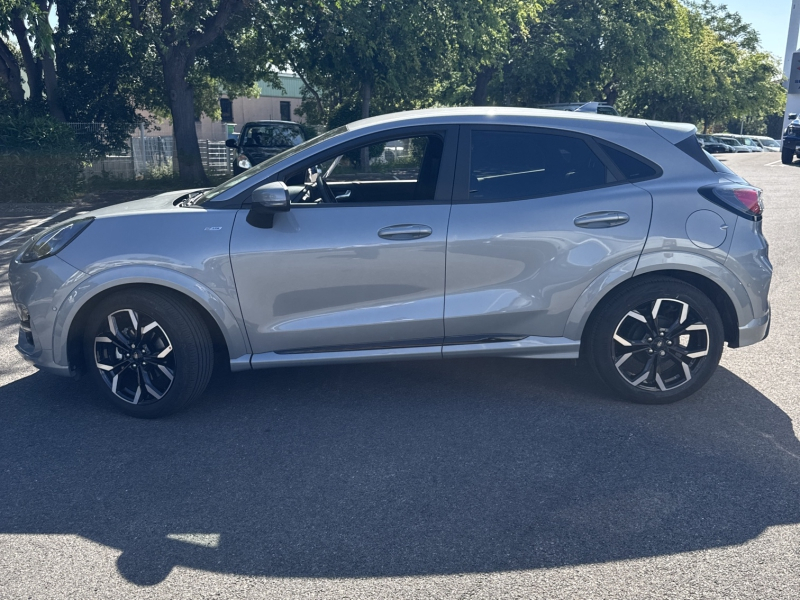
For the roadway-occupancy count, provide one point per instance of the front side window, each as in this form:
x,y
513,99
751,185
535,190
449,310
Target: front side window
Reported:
x,y
398,170
507,165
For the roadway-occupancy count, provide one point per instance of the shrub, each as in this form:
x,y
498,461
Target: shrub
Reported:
x,y
40,160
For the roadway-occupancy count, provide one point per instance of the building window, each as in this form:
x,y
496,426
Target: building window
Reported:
x,y
286,111
227,110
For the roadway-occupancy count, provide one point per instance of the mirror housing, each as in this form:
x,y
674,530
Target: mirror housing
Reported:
x,y
231,143
265,201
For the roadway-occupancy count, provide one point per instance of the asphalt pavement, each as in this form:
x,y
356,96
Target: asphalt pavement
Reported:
x,y
463,479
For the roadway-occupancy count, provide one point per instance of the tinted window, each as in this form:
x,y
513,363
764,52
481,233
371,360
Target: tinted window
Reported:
x,y
632,168
507,165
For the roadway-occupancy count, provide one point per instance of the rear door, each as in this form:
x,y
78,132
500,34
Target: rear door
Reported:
x,y
537,215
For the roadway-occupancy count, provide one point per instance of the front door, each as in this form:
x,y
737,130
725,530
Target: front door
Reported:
x,y
358,262
537,216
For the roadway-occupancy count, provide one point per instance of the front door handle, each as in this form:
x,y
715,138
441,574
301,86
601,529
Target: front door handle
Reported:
x,y
344,195
597,220
405,232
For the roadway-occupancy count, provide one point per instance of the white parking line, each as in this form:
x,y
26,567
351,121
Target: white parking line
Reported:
x,y
35,225
772,164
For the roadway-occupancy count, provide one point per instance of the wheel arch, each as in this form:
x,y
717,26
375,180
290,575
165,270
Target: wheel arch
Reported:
x,y
226,332
719,284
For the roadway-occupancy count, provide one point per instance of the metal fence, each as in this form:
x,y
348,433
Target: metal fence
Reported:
x,y
150,155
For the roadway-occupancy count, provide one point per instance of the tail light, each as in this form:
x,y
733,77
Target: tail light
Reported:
x,y
743,200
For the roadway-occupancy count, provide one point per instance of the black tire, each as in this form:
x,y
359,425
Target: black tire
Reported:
x,y
787,156
170,363
622,346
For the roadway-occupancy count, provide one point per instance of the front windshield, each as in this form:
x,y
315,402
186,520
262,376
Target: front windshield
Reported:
x,y
730,141
770,143
213,193
271,136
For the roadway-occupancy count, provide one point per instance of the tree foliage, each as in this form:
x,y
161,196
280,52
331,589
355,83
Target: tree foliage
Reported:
x,y
110,60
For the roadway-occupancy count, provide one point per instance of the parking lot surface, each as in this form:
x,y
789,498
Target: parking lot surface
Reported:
x,y
463,479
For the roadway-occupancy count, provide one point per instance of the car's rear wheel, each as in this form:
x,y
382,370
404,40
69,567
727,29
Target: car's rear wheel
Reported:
x,y
656,342
787,156
148,352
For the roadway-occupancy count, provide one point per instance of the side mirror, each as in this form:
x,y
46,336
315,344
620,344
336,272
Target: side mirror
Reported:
x,y
230,143
265,202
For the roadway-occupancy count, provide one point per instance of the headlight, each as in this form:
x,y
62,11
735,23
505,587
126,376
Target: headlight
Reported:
x,y
243,162
51,241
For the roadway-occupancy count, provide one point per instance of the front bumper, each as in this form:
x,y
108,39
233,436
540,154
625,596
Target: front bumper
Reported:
x,y
790,143
39,289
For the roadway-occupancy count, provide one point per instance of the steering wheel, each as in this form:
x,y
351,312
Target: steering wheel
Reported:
x,y
328,197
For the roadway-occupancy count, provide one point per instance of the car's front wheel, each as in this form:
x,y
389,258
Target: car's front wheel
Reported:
x,y
148,352
655,342
787,156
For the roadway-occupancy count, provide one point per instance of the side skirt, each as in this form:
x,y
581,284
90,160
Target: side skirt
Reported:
x,y
529,347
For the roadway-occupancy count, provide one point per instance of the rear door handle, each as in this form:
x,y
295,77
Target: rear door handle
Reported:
x,y
597,220
405,232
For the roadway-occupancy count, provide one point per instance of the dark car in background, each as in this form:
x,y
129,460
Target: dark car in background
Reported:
x,y
260,140
790,144
714,146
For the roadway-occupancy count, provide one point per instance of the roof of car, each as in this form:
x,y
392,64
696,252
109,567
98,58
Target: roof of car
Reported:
x,y
506,115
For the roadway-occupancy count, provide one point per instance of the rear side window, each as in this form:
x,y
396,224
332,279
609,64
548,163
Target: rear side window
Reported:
x,y
632,168
507,165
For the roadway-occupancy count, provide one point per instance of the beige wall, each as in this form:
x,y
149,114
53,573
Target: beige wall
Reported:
x,y
244,110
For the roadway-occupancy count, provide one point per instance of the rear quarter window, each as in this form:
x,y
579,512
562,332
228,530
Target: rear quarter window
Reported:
x,y
633,168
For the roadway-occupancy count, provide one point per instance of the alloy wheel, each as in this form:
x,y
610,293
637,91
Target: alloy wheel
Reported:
x,y
135,358
660,345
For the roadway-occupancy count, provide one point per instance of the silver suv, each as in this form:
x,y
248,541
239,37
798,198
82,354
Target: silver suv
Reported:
x,y
432,234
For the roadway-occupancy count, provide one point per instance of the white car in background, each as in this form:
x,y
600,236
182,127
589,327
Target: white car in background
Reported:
x,y
734,143
767,143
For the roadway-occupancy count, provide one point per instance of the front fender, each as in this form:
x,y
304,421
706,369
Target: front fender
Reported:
x,y
654,262
232,327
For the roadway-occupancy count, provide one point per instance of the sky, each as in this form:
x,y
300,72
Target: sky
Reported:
x,y
769,17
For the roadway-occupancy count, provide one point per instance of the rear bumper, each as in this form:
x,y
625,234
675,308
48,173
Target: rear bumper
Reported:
x,y
755,331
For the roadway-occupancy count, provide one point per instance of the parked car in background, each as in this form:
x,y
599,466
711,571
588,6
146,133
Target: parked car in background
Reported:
x,y
734,143
601,108
767,143
260,140
749,142
790,144
504,232
713,146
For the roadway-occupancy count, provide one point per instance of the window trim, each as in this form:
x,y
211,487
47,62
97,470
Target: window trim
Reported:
x,y
463,167
444,183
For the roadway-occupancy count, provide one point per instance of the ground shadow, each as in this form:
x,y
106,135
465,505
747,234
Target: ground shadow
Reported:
x,y
397,469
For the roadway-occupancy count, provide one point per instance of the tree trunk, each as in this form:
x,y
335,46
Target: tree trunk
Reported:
x,y
33,68
481,92
366,96
51,85
181,105
10,73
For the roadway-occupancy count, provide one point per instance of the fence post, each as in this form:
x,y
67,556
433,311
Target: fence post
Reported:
x,y
144,149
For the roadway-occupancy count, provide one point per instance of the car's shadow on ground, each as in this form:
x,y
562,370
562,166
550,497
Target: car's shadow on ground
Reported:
x,y
397,469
